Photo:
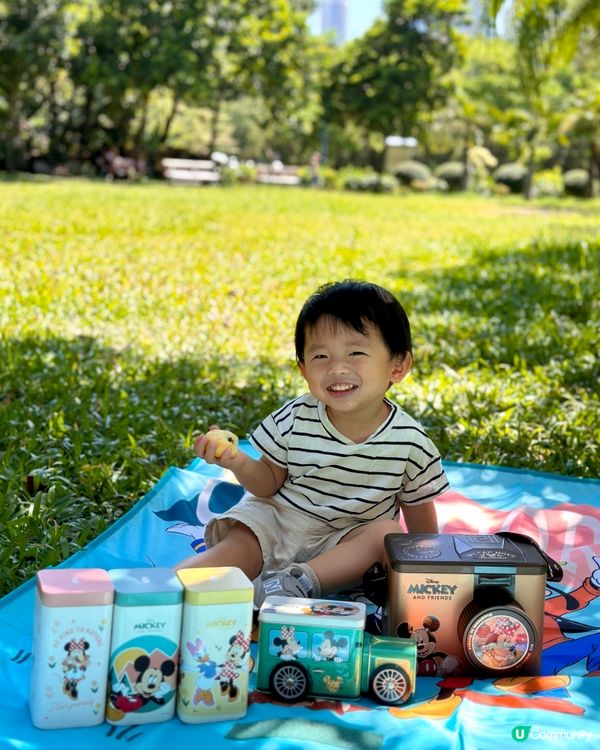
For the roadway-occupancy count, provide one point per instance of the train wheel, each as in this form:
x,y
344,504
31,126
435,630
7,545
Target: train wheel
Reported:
x,y
390,685
289,682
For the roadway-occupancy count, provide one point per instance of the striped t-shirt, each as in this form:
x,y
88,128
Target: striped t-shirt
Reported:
x,y
342,482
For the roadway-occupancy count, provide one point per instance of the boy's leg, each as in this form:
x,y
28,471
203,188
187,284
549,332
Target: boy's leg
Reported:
x,y
344,565
238,548
339,567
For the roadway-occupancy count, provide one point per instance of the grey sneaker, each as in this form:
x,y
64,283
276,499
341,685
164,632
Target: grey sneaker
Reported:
x,y
294,581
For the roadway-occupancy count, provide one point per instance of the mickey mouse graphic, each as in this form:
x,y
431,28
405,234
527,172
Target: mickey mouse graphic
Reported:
x,y
430,661
239,646
328,649
150,686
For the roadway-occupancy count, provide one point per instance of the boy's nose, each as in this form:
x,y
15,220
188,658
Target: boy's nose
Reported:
x,y
337,366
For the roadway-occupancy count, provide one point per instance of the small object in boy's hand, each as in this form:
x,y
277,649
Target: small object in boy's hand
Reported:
x,y
224,440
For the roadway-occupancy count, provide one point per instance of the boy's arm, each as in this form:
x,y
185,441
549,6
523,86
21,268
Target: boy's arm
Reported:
x,y
420,518
261,478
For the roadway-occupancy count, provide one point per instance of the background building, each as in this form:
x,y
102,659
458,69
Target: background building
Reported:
x,y
334,18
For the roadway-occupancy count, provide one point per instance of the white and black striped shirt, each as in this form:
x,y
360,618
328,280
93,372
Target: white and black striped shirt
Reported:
x,y
339,481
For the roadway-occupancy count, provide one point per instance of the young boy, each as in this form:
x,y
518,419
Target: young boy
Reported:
x,y
337,464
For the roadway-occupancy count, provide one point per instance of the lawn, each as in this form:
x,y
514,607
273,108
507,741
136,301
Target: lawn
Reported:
x,y
134,315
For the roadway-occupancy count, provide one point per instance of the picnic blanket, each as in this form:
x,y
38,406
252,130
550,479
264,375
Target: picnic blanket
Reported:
x,y
556,709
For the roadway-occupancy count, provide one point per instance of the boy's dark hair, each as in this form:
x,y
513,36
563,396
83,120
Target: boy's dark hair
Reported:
x,y
357,305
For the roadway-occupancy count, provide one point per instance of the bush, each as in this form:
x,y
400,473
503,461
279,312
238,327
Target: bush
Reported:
x,y
243,174
512,175
454,174
576,182
366,181
548,183
409,172
328,177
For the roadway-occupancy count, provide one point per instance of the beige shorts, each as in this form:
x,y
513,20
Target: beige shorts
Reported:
x,y
285,535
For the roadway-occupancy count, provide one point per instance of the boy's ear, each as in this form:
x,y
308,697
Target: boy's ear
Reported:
x,y
302,369
402,365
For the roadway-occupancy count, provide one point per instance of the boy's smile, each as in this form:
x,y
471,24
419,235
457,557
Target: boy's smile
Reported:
x,y
341,389
350,373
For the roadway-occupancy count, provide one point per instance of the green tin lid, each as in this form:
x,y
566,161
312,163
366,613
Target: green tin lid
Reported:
x,y
143,587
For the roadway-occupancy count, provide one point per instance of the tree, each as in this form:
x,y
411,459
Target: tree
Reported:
x,y
204,52
580,128
398,69
546,32
577,18
32,39
126,50
264,52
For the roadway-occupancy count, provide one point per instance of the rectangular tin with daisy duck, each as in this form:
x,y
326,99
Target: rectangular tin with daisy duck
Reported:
x,y
71,640
320,647
215,644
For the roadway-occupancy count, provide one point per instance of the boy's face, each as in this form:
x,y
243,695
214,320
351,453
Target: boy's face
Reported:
x,y
348,370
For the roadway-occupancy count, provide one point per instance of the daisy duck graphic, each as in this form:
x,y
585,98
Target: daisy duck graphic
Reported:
x,y
205,669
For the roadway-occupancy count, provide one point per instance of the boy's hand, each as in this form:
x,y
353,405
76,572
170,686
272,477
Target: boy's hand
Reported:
x,y
258,477
216,446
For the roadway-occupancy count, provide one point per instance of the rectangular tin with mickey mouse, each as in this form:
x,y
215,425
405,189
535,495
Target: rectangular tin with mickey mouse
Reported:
x,y
142,675
215,644
473,603
71,640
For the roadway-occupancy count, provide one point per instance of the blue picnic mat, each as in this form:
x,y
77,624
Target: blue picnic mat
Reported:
x,y
559,708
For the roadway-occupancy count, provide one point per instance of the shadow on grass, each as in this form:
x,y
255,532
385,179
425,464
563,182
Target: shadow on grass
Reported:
x,y
525,308
506,366
86,430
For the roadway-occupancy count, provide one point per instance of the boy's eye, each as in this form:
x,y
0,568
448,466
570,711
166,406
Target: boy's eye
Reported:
x,y
320,356
357,354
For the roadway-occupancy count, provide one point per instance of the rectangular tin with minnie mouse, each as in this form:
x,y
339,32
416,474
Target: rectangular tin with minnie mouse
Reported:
x,y
71,640
142,675
215,644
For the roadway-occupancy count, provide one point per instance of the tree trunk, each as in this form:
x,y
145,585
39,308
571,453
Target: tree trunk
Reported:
x,y
139,136
376,159
528,182
52,116
12,131
592,170
464,183
169,122
86,124
214,127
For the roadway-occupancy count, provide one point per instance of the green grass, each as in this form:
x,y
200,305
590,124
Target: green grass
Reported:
x,y
134,315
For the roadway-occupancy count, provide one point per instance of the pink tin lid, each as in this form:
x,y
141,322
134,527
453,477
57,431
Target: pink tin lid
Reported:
x,y
74,587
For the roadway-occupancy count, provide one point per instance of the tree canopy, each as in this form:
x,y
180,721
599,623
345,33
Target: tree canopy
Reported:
x,y
78,79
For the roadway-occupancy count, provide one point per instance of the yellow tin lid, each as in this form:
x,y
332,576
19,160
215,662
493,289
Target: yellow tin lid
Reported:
x,y
215,585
